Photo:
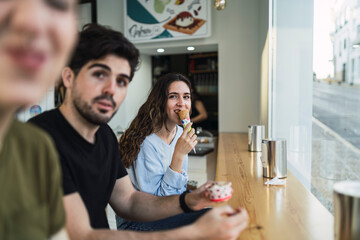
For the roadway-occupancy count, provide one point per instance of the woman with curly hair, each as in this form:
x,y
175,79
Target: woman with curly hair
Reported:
x,y
154,148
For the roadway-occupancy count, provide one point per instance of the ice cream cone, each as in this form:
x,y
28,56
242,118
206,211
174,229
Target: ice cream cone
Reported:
x,y
185,119
184,114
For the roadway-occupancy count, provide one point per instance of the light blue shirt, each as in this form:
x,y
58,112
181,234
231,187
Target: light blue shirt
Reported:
x,y
151,171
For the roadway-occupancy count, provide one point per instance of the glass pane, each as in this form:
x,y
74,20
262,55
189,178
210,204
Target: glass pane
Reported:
x,y
336,96
291,82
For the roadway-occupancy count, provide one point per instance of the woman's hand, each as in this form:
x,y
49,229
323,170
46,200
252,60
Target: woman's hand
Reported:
x,y
187,140
184,145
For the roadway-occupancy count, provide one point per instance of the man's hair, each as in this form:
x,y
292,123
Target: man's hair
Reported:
x,y
96,41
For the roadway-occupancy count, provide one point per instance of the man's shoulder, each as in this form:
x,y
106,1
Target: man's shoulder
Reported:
x,y
106,132
53,123
45,118
105,128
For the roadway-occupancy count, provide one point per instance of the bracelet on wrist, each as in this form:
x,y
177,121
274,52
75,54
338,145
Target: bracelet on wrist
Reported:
x,y
183,204
176,170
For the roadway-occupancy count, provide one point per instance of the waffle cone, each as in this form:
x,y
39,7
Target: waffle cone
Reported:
x,y
184,114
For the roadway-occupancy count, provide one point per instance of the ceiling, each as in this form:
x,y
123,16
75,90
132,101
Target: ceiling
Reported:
x,y
177,50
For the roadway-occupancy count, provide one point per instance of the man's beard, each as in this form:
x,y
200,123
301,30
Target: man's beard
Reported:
x,y
86,111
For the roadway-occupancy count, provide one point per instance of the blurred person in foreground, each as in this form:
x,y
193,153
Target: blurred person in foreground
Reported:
x,y
96,82
36,38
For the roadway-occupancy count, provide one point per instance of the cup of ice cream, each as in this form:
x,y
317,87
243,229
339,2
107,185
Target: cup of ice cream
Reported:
x,y
220,191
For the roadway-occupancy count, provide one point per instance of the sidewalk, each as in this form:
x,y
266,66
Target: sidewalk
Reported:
x,y
333,159
341,84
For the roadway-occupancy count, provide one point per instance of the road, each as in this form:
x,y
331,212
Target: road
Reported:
x,y
334,159
338,107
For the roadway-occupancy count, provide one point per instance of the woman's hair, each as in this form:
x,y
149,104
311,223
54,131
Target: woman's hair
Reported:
x,y
150,118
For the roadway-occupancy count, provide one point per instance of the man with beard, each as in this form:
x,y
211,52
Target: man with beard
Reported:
x,y
96,82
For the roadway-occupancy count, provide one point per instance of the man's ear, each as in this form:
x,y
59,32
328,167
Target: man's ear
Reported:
x,y
68,77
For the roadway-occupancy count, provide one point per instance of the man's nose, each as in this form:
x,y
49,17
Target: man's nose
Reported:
x,y
110,87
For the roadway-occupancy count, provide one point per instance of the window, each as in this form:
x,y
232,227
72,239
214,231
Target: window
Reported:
x,y
320,119
340,48
336,115
347,14
352,70
291,83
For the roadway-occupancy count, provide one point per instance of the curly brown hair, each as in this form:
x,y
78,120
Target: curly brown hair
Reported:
x,y
150,118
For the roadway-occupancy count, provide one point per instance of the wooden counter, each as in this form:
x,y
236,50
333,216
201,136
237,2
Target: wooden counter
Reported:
x,y
288,212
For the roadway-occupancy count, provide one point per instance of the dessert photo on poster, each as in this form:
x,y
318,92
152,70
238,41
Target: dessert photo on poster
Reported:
x,y
163,20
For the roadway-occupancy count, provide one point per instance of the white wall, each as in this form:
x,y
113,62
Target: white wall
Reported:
x,y
239,70
111,13
47,103
236,31
136,96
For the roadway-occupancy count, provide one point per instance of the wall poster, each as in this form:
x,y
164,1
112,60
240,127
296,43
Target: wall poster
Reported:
x,y
162,20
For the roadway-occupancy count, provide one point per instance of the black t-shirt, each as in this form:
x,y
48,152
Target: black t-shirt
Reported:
x,y
89,169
